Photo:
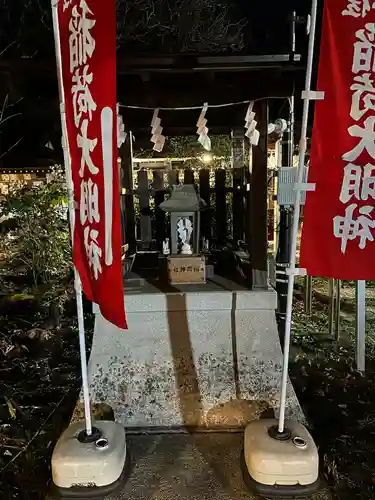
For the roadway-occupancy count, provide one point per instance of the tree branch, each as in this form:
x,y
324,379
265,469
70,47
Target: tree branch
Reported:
x,y
10,149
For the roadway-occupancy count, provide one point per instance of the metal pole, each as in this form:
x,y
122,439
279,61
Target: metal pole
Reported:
x,y
331,309
286,213
69,180
291,99
361,324
282,262
308,295
276,212
297,209
338,310
291,131
284,236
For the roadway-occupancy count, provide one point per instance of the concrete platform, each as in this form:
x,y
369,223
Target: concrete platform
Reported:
x,y
187,467
193,356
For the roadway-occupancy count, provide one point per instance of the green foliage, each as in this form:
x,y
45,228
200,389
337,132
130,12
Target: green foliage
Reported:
x,y
189,147
36,246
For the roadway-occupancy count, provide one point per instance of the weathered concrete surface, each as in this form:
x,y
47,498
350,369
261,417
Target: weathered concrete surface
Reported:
x,y
201,356
187,467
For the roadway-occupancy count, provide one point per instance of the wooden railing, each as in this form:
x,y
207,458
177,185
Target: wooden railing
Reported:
x,y
225,193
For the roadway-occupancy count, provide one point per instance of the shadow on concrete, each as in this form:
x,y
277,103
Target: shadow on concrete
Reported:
x,y
176,467
236,412
203,461
183,360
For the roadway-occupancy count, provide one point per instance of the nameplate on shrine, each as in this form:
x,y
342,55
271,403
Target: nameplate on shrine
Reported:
x,y
186,270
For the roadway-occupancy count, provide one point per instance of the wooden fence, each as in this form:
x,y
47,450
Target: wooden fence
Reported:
x,y
225,192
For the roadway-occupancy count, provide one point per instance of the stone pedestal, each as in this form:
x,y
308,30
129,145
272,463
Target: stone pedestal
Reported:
x,y
207,355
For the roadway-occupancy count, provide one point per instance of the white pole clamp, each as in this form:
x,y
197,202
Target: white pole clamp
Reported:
x,y
304,186
295,271
313,95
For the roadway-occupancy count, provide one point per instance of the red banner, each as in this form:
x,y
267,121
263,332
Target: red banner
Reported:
x,y
339,217
88,51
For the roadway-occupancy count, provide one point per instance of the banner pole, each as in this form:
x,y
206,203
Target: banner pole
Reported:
x,y
360,300
69,180
286,212
292,98
297,209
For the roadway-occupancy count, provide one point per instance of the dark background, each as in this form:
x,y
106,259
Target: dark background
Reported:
x,y
28,76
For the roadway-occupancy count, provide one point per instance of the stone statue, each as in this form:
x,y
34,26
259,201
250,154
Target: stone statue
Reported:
x,y
205,245
184,231
166,250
